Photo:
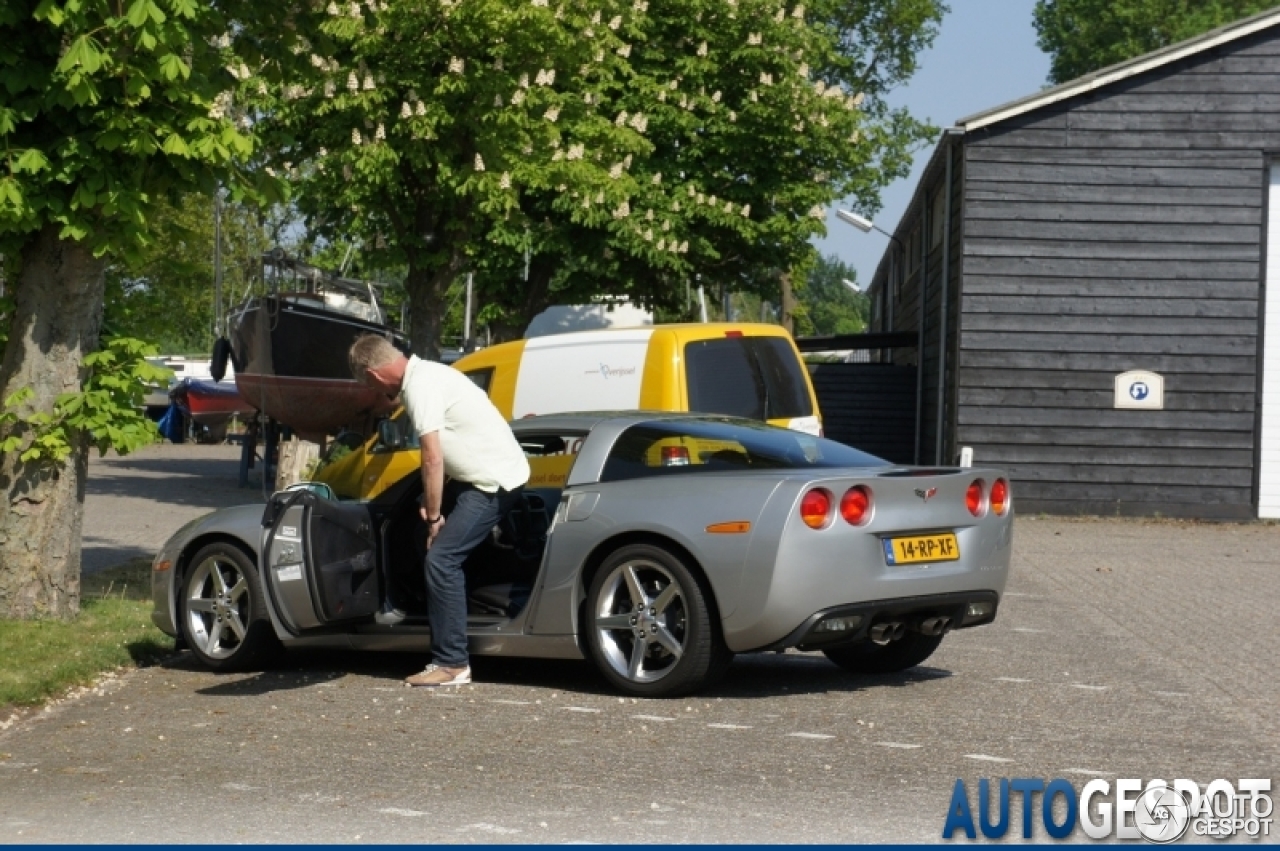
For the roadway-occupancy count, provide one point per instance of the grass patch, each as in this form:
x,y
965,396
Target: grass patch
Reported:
x,y
45,658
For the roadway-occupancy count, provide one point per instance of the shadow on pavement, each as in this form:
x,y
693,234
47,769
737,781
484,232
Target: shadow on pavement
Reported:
x,y
757,675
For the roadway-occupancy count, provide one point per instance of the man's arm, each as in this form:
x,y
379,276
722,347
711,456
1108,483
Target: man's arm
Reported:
x,y
432,480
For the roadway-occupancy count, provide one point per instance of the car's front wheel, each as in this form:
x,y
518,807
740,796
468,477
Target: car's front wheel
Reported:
x,y
224,615
648,624
867,657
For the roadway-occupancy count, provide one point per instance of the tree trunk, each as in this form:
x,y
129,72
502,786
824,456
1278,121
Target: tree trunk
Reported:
x,y
427,289
788,305
55,324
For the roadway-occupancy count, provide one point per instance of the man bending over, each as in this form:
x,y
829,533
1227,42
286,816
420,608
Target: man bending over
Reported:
x,y
464,436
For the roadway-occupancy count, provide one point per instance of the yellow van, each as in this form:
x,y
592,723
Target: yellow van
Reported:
x,y
735,368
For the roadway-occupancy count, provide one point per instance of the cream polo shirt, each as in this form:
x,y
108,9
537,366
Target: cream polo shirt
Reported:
x,y
478,445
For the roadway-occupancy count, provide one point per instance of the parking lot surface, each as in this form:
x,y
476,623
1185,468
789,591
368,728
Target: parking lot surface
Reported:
x,y
1122,649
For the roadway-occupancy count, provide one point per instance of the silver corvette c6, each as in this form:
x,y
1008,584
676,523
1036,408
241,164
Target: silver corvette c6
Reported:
x,y
655,545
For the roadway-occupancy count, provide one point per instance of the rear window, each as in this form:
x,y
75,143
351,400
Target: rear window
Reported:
x,y
759,378
696,446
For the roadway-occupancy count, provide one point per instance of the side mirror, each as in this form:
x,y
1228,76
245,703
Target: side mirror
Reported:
x,y
320,489
391,436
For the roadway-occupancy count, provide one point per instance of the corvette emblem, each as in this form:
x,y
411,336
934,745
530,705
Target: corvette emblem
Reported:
x,y
926,495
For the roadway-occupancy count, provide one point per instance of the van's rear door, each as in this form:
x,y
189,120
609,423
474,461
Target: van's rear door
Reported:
x,y
321,561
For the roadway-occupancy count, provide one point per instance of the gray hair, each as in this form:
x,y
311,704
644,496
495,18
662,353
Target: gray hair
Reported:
x,y
370,351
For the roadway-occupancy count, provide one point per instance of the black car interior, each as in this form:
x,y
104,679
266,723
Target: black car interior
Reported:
x,y
500,572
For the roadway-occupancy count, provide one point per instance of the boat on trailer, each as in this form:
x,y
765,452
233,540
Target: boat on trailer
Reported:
x,y
289,348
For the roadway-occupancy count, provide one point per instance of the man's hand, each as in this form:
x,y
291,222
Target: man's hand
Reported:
x,y
433,529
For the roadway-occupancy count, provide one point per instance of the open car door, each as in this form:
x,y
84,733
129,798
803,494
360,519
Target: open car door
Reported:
x,y
321,561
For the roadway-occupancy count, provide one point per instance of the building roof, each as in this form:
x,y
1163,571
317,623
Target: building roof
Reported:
x,y
1123,70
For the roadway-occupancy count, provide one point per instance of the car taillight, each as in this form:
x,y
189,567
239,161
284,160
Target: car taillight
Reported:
x,y
855,505
973,498
815,508
675,456
1000,496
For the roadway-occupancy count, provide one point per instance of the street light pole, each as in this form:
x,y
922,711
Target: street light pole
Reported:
x,y
865,225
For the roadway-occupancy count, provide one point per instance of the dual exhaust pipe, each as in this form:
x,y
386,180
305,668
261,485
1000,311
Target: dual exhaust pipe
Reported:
x,y
883,633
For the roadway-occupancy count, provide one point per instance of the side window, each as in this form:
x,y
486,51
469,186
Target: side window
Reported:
x,y
551,456
481,377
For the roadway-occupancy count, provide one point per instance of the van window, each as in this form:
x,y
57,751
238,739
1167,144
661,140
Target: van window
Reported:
x,y
703,446
759,378
481,377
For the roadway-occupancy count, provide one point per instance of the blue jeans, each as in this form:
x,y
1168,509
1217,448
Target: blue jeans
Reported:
x,y
472,518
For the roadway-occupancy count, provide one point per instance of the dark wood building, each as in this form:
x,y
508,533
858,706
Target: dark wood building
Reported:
x,y
1086,271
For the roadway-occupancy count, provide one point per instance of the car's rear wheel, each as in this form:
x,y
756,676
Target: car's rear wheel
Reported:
x,y
867,657
224,615
648,624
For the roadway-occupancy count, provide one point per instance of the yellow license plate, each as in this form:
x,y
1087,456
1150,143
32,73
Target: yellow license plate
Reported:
x,y
921,548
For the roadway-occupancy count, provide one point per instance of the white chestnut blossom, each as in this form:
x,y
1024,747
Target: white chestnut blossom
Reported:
x,y
798,12
662,95
355,137
595,18
588,98
381,133
754,38
715,96
456,65
333,10
504,182
575,152
780,15
623,210
728,206
420,108
518,97
684,247
368,82
746,211
662,245
803,70
641,5
353,82
766,79
497,100
733,116
621,119
541,4
702,49
615,22
600,197
624,51
328,88
615,171
524,81
640,122
479,163
354,10
648,234
552,114
406,110
599,56
816,212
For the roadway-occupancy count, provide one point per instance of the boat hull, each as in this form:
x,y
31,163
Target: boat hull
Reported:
x,y
291,364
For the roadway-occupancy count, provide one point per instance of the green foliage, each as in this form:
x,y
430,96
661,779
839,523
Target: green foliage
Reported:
x,y
107,410
628,145
165,293
826,304
106,107
1085,35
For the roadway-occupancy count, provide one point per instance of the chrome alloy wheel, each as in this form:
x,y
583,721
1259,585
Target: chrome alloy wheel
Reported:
x,y
218,607
641,620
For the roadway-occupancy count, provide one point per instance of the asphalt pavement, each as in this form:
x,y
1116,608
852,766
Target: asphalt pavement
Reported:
x,y
1124,648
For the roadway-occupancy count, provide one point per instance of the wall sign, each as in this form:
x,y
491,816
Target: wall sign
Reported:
x,y
1140,389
